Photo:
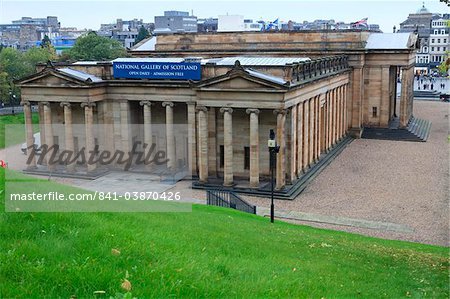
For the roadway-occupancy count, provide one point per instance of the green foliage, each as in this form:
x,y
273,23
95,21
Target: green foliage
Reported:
x,y
143,34
46,43
16,65
94,47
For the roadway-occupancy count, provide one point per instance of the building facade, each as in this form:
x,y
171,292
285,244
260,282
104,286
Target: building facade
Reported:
x,y
175,21
439,40
312,102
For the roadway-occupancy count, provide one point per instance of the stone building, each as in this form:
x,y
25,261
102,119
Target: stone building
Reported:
x,y
315,89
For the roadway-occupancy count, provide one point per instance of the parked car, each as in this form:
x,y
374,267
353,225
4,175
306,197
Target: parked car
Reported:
x,y
445,97
37,144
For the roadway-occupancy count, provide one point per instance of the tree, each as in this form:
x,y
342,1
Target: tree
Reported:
x,y
142,34
94,47
46,42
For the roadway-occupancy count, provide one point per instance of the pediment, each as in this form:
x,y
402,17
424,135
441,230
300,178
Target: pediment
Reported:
x,y
239,81
53,78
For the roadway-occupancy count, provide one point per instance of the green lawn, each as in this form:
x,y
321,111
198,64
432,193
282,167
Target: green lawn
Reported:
x,y
210,252
19,128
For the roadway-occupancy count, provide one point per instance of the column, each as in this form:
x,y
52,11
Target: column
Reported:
x,y
330,118
317,131
228,146
170,137
406,97
311,131
48,134
319,127
254,147
281,141
202,144
148,137
338,115
88,122
29,133
300,143
293,152
334,118
305,134
68,132
192,143
345,109
124,126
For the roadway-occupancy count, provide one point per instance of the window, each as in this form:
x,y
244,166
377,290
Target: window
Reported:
x,y
445,40
442,31
439,41
436,32
444,49
222,156
246,157
432,48
374,111
432,40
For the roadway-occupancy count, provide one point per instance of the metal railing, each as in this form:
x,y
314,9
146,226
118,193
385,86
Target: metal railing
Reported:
x,y
228,199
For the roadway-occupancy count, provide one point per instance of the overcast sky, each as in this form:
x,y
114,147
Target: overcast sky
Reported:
x,y
90,14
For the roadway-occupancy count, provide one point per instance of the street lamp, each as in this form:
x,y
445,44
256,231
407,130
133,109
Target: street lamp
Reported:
x,y
273,151
12,101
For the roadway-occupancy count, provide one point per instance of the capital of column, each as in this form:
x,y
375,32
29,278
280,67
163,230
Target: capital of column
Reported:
x,y
280,111
191,103
170,104
65,104
87,104
45,104
226,109
250,111
25,103
201,108
145,103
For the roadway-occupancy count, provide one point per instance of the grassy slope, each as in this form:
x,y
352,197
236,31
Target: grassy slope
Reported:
x,y
17,119
211,252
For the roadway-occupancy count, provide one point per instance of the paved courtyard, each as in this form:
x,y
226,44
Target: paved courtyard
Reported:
x,y
393,182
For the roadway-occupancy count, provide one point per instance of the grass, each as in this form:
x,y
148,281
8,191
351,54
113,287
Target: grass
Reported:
x,y
19,128
210,252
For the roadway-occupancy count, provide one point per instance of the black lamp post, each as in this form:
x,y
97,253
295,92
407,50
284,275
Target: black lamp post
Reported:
x,y
12,102
273,151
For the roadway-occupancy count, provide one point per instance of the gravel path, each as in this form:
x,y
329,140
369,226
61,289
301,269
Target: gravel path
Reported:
x,y
393,181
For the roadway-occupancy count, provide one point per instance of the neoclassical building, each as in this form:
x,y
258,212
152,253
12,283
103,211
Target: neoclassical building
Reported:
x,y
210,100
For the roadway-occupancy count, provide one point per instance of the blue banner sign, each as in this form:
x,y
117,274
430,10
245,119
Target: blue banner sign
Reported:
x,y
157,70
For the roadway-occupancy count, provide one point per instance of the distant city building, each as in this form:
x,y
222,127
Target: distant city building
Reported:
x,y
230,23
24,33
207,25
433,31
124,31
175,21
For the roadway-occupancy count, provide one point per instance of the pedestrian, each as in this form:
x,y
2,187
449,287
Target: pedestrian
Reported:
x,y
419,87
421,81
431,86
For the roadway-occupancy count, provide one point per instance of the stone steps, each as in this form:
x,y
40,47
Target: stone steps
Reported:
x,y
417,130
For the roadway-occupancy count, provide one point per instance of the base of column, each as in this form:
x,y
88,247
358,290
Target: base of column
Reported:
x,y
356,132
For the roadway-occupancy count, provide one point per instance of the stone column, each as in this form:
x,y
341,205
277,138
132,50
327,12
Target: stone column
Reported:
x,y
281,156
293,151
148,137
317,131
228,146
311,131
192,141
305,134
300,143
48,134
334,116
29,132
339,111
330,118
202,144
124,125
68,132
406,97
254,147
345,109
319,125
170,137
88,122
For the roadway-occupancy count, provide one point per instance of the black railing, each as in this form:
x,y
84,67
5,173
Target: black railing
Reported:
x,y
319,67
228,199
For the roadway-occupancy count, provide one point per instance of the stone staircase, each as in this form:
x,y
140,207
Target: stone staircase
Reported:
x,y
427,95
417,130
